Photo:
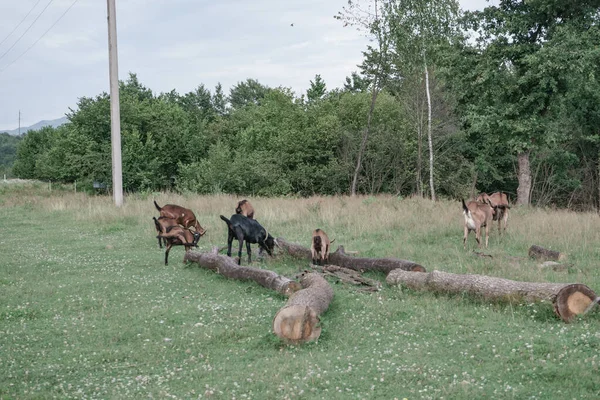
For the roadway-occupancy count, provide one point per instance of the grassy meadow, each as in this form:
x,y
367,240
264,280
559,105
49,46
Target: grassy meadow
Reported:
x,y
88,310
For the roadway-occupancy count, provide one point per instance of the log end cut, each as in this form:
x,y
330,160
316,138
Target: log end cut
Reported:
x,y
297,324
573,300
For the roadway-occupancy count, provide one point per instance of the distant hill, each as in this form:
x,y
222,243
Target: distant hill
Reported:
x,y
54,123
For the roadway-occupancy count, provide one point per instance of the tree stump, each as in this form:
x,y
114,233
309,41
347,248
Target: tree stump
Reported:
x,y
298,320
227,267
540,253
341,259
569,299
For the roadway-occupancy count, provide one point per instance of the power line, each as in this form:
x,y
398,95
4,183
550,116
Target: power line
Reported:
x,y
40,38
19,24
26,30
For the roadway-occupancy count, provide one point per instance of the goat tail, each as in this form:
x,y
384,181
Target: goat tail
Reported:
x,y
157,224
159,208
465,208
228,222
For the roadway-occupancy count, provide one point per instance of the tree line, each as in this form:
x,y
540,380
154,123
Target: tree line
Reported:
x,y
445,103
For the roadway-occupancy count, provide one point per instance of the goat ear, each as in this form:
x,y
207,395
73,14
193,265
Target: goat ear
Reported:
x,y
277,243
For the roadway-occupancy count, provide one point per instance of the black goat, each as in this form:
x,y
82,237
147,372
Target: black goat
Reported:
x,y
244,228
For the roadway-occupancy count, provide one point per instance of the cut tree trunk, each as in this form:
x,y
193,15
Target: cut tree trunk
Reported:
x,y
341,259
298,320
227,267
540,253
524,177
569,299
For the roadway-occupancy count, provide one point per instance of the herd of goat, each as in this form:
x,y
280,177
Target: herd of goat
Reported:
x,y
178,226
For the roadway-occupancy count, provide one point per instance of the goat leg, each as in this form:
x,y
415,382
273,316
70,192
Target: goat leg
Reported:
x,y
249,252
229,243
169,245
240,237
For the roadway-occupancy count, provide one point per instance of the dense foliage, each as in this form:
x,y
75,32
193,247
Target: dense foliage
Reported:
x,y
524,85
8,152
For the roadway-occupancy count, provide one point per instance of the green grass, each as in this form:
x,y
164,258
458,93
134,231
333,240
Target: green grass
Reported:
x,y
88,310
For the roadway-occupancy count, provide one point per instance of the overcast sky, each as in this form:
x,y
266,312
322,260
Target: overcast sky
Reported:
x,y
169,44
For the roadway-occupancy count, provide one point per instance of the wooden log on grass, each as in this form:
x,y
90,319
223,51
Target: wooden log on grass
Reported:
x,y
227,267
340,258
540,253
568,299
347,276
298,320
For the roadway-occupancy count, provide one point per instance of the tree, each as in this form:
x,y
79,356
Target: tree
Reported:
x,y
219,102
248,92
375,65
32,146
505,81
356,83
317,89
8,152
417,27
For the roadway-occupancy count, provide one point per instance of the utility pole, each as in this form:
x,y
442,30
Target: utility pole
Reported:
x,y
115,113
19,122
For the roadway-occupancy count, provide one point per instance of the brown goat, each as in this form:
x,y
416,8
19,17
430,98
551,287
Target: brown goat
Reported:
x,y
477,215
320,247
184,216
245,208
161,224
178,236
499,201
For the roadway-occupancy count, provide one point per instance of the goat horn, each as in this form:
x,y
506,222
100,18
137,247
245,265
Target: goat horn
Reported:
x,y
266,235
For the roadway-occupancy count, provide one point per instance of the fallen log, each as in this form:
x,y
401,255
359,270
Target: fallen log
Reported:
x,y
479,254
227,267
349,276
540,253
555,266
569,300
298,320
341,259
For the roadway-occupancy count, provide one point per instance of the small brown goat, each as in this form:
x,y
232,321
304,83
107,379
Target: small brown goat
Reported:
x,y
499,201
245,208
178,236
184,216
161,224
477,215
320,247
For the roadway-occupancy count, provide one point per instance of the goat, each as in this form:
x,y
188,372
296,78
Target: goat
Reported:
x,y
244,228
477,215
245,208
177,236
184,216
161,224
319,248
499,201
